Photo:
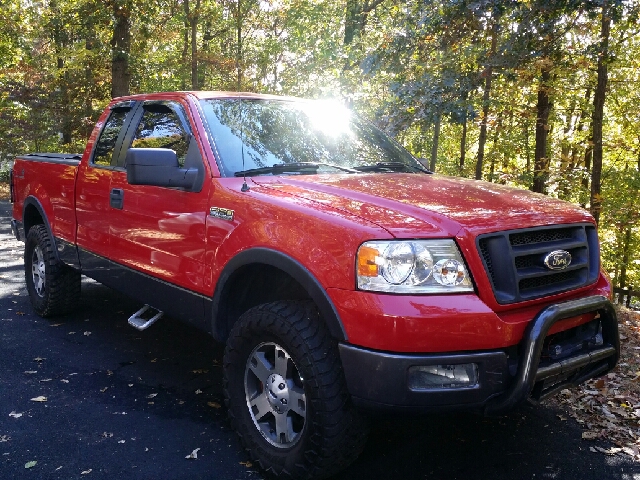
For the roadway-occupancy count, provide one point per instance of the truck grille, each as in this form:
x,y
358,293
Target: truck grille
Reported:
x,y
515,261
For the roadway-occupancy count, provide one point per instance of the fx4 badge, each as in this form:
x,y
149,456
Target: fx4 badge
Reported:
x,y
223,213
557,260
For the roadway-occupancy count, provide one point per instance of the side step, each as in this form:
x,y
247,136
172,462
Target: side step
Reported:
x,y
145,317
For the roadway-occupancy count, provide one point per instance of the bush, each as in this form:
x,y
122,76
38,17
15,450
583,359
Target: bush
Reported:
x,y
5,166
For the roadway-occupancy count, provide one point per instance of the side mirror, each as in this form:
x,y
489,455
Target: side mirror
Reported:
x,y
159,167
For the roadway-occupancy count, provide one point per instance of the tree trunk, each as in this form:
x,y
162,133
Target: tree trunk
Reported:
x,y
185,45
239,47
541,160
121,49
355,19
486,97
527,148
434,145
622,281
588,155
193,17
494,148
463,143
598,113
580,127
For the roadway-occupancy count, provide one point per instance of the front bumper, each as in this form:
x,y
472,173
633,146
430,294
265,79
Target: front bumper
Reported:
x,y
378,379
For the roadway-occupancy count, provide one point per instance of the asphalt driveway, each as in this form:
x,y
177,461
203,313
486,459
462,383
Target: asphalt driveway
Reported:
x,y
86,396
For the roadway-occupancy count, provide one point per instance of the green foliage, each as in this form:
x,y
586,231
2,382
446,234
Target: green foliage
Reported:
x,y
408,65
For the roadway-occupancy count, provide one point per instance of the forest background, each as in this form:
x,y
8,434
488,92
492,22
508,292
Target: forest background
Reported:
x,y
538,94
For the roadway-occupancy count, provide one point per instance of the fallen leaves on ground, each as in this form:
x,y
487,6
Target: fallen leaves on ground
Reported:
x,y
41,398
14,414
30,464
609,407
193,455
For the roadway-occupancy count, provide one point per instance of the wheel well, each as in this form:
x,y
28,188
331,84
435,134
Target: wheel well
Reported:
x,y
30,218
253,285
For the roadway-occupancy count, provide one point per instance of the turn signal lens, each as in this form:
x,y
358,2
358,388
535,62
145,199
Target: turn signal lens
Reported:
x,y
367,266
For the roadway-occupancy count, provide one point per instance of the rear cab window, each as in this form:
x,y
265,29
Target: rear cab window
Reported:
x,y
104,153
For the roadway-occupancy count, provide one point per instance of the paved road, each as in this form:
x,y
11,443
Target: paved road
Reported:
x,y
123,404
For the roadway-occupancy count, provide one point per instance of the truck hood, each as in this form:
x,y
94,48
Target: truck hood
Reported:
x,y
418,205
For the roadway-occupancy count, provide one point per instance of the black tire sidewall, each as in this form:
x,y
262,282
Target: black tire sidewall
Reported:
x,y
286,458
250,332
37,237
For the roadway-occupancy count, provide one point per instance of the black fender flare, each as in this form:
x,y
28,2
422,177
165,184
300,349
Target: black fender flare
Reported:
x,y
293,268
33,201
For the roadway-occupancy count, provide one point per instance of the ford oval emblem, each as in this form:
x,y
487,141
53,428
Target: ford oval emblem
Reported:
x,y
557,260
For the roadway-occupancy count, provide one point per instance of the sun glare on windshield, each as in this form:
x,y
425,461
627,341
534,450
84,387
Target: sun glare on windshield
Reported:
x,y
330,117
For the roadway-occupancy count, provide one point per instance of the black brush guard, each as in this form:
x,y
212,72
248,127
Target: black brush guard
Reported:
x,y
530,380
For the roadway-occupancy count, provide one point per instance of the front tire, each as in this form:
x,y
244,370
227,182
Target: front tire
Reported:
x,y
286,393
54,288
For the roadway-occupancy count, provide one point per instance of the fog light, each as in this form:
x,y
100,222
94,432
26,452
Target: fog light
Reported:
x,y
429,377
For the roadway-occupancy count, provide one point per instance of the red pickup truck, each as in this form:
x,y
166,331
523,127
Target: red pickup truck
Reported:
x,y
341,274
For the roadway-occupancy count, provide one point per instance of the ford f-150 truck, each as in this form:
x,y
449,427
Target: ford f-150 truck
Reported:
x,y
341,274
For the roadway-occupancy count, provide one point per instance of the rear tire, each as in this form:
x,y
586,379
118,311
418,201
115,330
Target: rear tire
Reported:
x,y
54,288
286,393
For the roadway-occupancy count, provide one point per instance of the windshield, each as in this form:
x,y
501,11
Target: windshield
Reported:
x,y
325,135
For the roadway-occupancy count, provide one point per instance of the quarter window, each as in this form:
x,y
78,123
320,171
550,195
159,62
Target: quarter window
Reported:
x,y
103,155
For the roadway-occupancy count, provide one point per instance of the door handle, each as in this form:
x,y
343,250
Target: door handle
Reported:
x,y
116,198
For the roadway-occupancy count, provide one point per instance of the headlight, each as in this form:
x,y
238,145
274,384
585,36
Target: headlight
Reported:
x,y
412,266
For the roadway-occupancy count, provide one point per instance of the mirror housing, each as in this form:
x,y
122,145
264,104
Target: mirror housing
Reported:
x,y
159,167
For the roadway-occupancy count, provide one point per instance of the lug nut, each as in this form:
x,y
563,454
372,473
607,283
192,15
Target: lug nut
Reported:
x,y
281,386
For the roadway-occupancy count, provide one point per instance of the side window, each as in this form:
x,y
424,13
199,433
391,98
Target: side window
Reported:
x,y
103,153
160,127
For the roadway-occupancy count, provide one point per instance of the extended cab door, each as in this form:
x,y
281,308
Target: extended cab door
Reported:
x,y
160,231
93,200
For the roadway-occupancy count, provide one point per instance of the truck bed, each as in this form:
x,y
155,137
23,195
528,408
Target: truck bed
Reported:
x,y
63,158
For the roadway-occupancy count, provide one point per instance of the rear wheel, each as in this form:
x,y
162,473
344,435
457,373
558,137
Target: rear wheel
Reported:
x,y
53,287
286,393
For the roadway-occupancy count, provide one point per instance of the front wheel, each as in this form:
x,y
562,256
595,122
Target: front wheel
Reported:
x,y
54,288
286,393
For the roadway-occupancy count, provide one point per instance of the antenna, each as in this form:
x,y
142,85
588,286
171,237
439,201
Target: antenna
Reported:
x,y
245,187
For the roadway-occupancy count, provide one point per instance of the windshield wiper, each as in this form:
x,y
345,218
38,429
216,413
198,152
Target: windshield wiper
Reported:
x,y
290,167
391,167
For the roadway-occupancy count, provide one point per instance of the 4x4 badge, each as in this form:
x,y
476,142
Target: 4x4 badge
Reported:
x,y
557,260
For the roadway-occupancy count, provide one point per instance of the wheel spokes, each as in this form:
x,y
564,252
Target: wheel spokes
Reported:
x,y
297,401
275,395
281,362
260,406
284,429
260,366
38,271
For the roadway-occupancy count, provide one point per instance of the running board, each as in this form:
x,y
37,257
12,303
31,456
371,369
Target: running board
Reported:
x,y
140,321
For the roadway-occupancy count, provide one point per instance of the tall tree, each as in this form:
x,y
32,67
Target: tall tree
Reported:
x,y
598,110
486,98
120,48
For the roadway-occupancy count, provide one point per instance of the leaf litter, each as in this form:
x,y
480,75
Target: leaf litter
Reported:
x,y
608,407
